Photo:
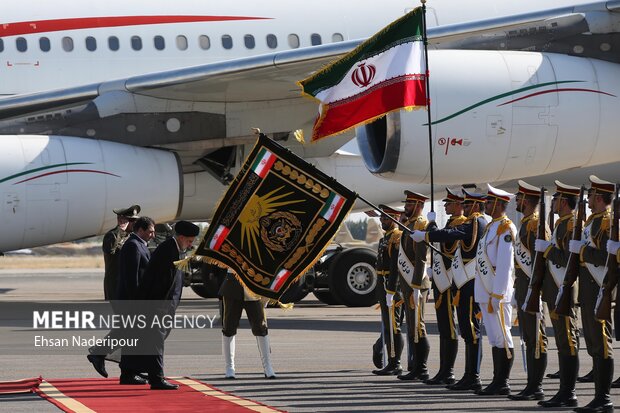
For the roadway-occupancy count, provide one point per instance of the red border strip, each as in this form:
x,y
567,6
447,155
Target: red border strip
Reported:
x,y
66,171
41,26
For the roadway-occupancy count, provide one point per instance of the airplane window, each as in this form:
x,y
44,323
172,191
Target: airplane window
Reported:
x,y
293,41
44,44
248,39
21,44
337,37
272,41
204,42
182,42
136,43
113,43
91,44
227,42
315,39
159,42
1,45
67,44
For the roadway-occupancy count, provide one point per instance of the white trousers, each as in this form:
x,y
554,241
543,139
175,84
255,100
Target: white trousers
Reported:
x,y
497,325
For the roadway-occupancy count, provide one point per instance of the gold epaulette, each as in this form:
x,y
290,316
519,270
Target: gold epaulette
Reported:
x,y
570,226
605,223
473,217
532,223
504,226
456,221
395,238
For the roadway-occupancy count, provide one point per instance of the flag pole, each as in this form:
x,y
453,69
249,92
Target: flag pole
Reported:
x,y
428,104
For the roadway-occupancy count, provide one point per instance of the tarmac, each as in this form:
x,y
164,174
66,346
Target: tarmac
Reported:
x,y
321,354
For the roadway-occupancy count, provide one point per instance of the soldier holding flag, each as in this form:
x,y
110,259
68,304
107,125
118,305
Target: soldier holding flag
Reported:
x,y
387,291
494,287
414,286
443,287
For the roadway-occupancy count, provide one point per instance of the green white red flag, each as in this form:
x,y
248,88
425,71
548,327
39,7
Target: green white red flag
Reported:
x,y
385,73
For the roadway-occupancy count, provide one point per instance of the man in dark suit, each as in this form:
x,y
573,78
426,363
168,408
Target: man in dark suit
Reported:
x,y
163,282
133,259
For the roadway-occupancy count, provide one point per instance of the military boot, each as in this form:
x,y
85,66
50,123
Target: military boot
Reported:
x,y
420,371
500,383
565,397
587,378
603,375
447,355
393,367
471,377
535,372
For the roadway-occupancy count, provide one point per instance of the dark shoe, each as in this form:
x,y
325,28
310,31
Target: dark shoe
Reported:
x,y
440,378
412,375
528,394
466,383
98,363
494,389
615,384
391,369
588,378
132,379
596,406
561,399
555,375
162,384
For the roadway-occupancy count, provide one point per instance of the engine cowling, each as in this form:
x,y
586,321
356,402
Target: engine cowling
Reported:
x,y
499,115
59,188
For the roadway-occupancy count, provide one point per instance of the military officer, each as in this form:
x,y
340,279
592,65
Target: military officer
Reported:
x,y
532,326
592,250
564,327
613,248
387,291
494,287
443,287
414,285
112,242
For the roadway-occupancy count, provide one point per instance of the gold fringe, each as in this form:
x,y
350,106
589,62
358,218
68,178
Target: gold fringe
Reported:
x,y
299,135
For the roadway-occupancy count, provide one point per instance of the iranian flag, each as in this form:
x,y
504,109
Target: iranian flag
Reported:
x,y
219,237
385,73
263,163
279,279
332,207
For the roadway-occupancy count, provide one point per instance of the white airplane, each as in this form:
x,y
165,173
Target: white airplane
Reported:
x,y
110,103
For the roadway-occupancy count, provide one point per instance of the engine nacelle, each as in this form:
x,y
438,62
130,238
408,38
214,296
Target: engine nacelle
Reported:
x,y
58,188
499,115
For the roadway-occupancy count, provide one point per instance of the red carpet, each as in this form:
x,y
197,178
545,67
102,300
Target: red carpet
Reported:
x,y
106,395
20,386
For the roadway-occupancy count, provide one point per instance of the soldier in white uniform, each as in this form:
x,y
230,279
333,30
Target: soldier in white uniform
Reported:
x,y
494,287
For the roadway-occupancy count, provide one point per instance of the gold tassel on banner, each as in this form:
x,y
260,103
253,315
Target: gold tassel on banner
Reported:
x,y
299,135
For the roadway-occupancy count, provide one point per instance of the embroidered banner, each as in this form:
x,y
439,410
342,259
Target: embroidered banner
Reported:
x,y
275,220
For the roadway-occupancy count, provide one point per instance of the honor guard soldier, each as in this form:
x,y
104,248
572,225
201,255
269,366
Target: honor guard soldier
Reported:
x,y
592,250
532,326
387,287
494,287
613,248
414,284
443,287
564,327
113,241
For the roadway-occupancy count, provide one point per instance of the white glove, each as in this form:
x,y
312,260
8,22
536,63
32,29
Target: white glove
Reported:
x,y
431,216
418,236
416,297
560,293
613,247
574,246
495,304
389,299
541,245
429,272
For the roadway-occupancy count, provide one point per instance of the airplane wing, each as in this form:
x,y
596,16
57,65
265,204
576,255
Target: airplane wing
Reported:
x,y
197,110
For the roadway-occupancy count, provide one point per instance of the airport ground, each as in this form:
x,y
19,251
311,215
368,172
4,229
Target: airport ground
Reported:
x,y
322,355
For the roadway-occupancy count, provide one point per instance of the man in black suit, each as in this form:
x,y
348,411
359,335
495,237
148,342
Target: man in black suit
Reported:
x,y
133,259
163,282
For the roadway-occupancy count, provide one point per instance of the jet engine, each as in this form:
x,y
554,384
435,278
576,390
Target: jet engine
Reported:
x,y
59,188
500,115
